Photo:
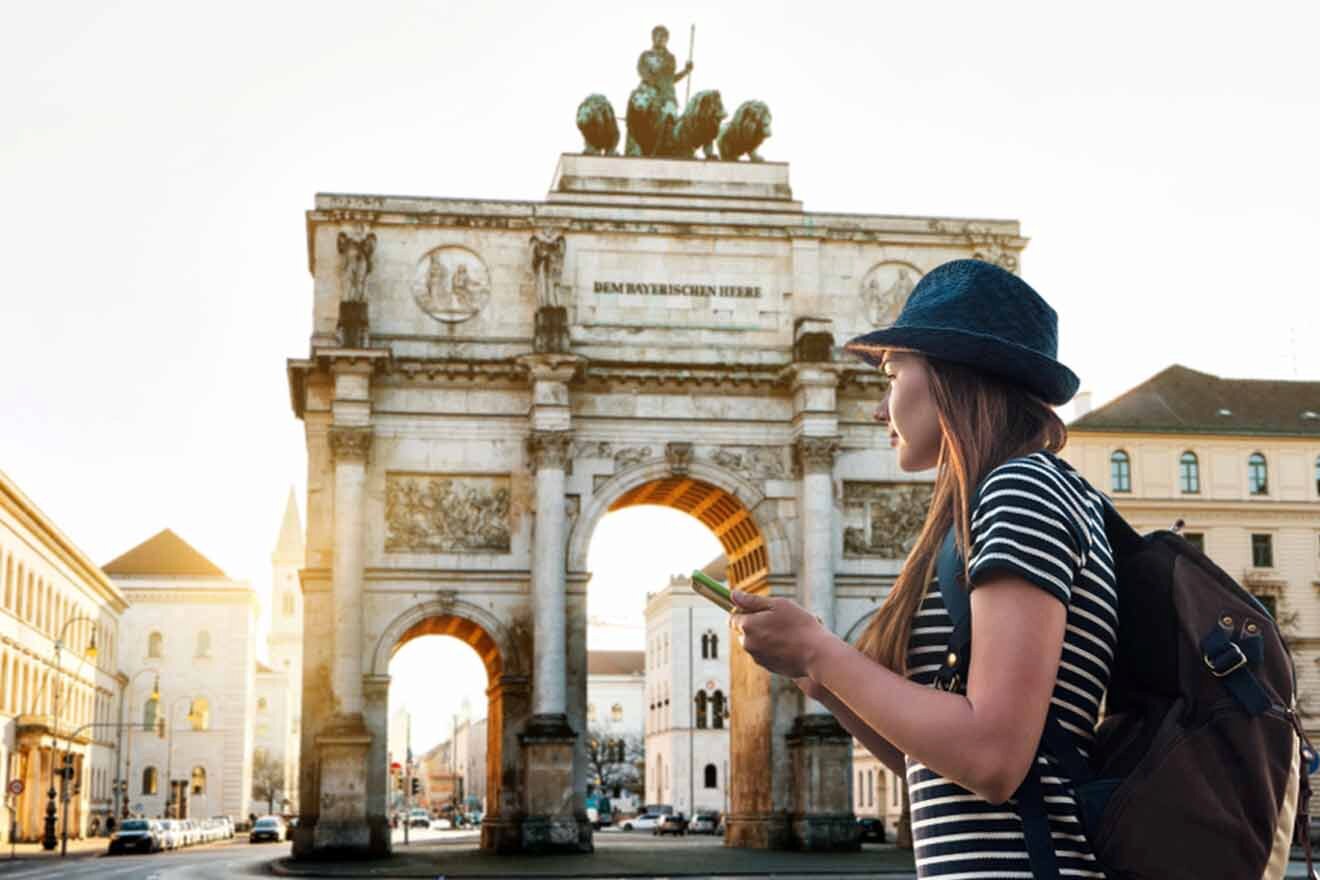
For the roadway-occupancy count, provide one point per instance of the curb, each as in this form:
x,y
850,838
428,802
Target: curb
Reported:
x,y
284,867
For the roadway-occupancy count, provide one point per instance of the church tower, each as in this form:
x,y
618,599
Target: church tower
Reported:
x,y
286,631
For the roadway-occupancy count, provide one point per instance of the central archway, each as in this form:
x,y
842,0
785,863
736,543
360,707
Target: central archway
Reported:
x,y
503,654
758,560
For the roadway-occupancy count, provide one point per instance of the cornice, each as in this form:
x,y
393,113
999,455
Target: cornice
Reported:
x,y
1243,508
1173,433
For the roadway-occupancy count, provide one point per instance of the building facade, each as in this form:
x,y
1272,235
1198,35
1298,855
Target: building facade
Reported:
x,y
1234,463
191,632
616,726
687,699
54,704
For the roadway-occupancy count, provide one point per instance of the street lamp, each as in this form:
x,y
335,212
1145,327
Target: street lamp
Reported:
x,y
128,753
48,841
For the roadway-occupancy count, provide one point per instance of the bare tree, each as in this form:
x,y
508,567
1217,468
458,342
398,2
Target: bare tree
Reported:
x,y
267,779
615,760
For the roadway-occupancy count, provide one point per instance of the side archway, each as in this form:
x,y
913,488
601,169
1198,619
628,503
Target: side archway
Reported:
x,y
507,708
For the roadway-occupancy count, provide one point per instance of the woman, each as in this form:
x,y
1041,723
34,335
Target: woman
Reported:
x,y
971,362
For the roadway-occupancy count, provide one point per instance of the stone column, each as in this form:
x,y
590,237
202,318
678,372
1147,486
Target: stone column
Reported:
x,y
350,446
548,452
820,749
376,695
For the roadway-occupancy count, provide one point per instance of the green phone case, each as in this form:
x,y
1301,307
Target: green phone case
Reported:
x,y
709,588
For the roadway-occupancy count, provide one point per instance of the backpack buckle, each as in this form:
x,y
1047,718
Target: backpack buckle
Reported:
x,y
1230,660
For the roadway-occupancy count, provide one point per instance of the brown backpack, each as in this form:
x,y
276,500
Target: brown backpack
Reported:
x,y
1200,766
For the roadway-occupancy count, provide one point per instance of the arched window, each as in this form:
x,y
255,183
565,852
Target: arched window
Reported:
x,y
287,603
701,710
1120,472
204,643
1257,475
616,712
1189,473
199,780
714,646
149,709
711,777
200,714
149,781
717,710
705,646
155,645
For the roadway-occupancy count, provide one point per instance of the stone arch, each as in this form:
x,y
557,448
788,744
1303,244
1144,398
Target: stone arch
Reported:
x,y
731,507
503,652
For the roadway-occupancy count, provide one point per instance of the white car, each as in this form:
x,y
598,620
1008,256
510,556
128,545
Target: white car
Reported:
x,y
644,822
170,835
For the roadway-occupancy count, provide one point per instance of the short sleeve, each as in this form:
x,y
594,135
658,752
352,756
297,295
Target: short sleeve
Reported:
x,y
1023,523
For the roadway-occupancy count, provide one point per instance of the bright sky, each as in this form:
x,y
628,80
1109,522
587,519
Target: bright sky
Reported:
x,y
157,158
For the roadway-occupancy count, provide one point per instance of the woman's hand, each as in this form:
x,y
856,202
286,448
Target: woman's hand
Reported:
x,y
779,634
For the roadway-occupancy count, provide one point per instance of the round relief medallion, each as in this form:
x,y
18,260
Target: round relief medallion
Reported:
x,y
885,289
451,284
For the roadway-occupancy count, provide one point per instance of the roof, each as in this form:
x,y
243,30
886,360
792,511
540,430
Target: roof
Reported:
x,y
1185,401
616,662
289,547
164,554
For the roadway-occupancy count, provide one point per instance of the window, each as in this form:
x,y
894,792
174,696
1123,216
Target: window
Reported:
x,y
1317,476
705,645
1257,475
1262,551
701,710
286,603
1196,539
1271,604
714,647
1120,472
717,710
616,712
1189,473
711,777
149,714
204,644
870,788
262,706
200,714
155,645
199,780
149,781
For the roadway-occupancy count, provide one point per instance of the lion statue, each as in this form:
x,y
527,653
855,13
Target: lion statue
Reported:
x,y
600,130
651,120
746,131
699,125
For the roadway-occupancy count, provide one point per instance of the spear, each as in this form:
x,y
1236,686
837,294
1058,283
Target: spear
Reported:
x,y
692,39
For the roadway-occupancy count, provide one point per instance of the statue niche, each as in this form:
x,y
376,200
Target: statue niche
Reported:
x,y
551,325
354,269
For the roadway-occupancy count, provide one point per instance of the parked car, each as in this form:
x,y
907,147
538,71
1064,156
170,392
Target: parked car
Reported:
x,y
871,828
226,826
419,818
705,823
170,835
644,822
674,823
266,828
191,833
136,835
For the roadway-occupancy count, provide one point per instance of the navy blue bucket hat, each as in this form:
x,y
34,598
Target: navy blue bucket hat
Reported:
x,y
975,313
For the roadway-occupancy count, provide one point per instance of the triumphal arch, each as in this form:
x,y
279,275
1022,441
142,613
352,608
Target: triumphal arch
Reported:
x,y
487,380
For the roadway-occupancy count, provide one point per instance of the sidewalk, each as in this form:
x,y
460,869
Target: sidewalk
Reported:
x,y
33,851
662,860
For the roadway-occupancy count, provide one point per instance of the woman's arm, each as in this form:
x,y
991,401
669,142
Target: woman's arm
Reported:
x,y
876,744
985,740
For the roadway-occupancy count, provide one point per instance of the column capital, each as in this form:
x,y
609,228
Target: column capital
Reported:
x,y
551,367
350,444
816,454
549,449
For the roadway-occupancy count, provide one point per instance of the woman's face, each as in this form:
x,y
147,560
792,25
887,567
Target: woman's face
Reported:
x,y
908,408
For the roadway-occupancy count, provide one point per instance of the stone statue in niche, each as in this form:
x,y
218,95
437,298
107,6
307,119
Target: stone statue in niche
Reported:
x,y
356,266
548,266
357,253
451,284
884,291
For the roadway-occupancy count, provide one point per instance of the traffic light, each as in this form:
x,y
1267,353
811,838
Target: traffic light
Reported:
x,y
416,786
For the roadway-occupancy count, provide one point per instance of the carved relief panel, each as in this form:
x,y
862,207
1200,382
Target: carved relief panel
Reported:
x,y
451,284
440,513
885,289
883,519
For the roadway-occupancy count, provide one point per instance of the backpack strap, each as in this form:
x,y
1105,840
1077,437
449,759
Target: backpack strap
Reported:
x,y
952,675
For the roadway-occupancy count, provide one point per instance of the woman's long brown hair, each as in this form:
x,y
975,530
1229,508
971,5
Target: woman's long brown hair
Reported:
x,y
984,422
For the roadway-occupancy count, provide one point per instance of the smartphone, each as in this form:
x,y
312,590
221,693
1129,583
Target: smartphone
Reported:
x,y
709,588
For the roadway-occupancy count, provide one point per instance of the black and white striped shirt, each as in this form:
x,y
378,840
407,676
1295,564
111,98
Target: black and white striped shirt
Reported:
x,y
1039,519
